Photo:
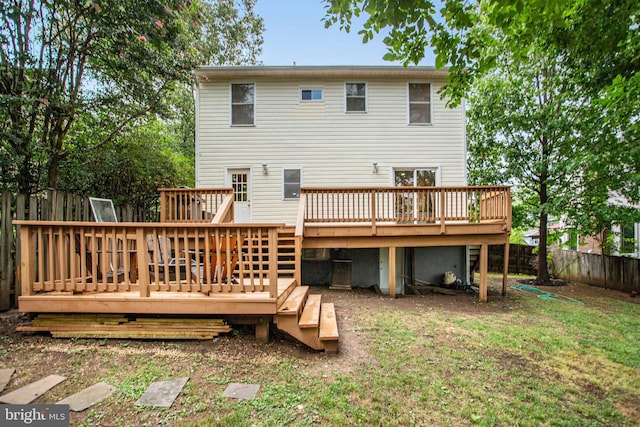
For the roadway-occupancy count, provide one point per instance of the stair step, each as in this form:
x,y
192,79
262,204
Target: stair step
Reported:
x,y
311,313
328,322
294,303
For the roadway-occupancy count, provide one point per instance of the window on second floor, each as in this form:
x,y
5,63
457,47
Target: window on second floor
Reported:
x,y
356,97
419,103
292,181
243,104
311,94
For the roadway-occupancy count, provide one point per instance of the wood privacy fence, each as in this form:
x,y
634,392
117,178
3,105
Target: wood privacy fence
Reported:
x,y
522,260
612,272
49,205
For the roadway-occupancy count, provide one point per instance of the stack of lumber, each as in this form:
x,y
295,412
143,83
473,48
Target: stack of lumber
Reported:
x,y
118,326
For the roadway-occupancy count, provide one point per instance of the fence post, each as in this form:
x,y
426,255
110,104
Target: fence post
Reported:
x,y
6,271
21,214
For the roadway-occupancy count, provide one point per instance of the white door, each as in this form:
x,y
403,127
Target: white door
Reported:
x,y
240,182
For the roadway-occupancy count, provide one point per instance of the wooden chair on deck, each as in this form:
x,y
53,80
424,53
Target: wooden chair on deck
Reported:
x,y
224,258
176,266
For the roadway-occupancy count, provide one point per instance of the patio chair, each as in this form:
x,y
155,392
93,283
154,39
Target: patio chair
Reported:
x,y
225,259
176,266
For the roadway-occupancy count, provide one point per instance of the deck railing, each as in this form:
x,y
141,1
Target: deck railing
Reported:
x,y
80,257
196,205
406,205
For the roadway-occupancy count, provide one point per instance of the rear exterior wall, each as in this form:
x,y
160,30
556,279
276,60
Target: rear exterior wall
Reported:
x,y
331,147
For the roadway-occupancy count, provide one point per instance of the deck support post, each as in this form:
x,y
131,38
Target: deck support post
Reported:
x,y
505,271
392,272
484,261
143,270
273,263
262,330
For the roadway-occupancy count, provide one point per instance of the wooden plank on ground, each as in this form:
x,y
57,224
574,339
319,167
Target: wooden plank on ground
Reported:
x,y
31,392
92,326
5,377
311,313
88,397
293,304
328,322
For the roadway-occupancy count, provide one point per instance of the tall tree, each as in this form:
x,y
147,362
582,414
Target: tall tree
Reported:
x,y
112,61
565,74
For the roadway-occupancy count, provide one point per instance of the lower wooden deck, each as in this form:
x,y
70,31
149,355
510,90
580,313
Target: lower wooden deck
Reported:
x,y
159,302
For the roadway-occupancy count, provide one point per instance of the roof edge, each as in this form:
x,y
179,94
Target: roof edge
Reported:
x,y
319,71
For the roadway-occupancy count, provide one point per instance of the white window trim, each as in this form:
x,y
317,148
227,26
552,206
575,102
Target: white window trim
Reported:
x,y
366,97
430,105
301,181
255,102
311,88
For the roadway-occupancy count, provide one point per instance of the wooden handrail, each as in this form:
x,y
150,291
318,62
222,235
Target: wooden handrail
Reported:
x,y
377,205
58,256
225,211
302,209
194,205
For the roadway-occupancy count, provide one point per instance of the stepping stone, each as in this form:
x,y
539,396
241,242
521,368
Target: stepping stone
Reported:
x,y
88,397
162,393
241,391
31,392
5,377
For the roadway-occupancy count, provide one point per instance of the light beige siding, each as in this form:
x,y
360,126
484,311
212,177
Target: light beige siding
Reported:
x,y
332,147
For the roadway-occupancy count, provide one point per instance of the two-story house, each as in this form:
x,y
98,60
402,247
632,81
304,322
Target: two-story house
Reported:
x,y
270,132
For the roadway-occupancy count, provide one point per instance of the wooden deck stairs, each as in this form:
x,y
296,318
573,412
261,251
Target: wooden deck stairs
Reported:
x,y
306,318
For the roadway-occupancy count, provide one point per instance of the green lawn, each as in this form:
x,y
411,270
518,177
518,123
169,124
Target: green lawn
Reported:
x,y
432,360
523,361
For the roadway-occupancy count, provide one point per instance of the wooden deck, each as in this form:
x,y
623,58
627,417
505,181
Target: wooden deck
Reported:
x,y
160,302
197,262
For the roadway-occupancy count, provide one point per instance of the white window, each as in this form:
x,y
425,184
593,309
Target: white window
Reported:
x,y
356,97
311,94
419,103
292,181
243,104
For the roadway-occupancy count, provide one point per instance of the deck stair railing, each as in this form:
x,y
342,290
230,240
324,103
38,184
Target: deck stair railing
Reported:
x,y
80,257
196,205
406,205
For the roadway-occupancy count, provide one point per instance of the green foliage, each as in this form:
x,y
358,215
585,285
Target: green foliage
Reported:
x,y
74,75
517,236
554,94
132,168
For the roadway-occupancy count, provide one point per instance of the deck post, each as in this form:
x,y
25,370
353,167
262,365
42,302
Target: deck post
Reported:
x,y
443,226
262,330
374,230
297,275
27,262
392,272
273,262
505,271
143,270
484,261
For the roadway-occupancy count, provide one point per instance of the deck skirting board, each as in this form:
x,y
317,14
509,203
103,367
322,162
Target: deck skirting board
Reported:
x,y
110,303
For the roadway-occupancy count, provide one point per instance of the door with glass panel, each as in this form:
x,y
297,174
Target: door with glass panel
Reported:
x,y
239,180
415,206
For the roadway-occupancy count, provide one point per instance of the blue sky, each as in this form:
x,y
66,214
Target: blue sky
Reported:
x,y
294,32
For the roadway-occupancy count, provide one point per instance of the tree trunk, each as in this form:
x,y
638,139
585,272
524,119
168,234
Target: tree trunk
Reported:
x,y
543,267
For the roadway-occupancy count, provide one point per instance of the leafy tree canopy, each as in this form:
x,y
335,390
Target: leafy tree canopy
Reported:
x,y
74,75
553,88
